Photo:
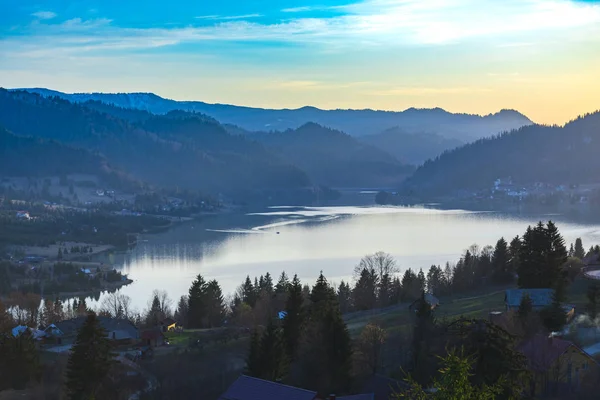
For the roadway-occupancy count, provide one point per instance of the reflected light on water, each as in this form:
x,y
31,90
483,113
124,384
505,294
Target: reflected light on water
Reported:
x,y
305,241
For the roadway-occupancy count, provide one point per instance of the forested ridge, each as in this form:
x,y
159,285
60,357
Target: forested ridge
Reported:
x,y
536,153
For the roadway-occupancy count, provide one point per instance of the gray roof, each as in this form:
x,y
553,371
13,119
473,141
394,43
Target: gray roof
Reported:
x,y
248,388
71,326
539,297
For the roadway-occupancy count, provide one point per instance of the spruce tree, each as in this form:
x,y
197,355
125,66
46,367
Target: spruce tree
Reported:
x,y
344,294
19,361
423,334
282,284
273,360
248,292
215,304
293,322
253,362
364,294
501,263
579,252
197,303
90,360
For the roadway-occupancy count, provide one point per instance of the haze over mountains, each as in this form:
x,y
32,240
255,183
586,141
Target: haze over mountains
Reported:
x,y
547,154
192,150
464,127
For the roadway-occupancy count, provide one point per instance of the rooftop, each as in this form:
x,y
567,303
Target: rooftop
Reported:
x,y
248,388
539,297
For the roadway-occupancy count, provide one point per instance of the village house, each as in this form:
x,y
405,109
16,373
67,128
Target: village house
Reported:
x,y
168,324
540,299
153,337
249,388
117,329
558,366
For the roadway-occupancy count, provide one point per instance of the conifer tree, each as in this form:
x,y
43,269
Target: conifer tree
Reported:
x,y
579,252
423,334
90,360
282,284
253,362
365,296
293,322
197,300
501,272
593,295
215,304
273,360
19,361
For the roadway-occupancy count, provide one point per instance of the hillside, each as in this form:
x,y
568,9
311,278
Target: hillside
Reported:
x,y
412,148
33,157
328,157
556,155
155,157
334,158
464,127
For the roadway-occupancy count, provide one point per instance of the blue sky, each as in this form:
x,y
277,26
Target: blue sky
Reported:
x,y
538,56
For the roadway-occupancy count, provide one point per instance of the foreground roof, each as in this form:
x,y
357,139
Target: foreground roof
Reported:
x,y
248,388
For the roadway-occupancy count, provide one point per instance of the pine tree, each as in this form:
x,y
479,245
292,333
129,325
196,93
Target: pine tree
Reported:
x,y
421,280
501,263
435,280
197,303
344,294
322,295
423,334
282,284
364,293
253,362
181,313
273,360
90,360
248,292
215,304
293,322
384,292
579,252
525,307
554,316
268,284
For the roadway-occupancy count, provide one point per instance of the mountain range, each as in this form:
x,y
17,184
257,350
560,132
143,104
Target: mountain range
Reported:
x,y
463,127
194,151
547,154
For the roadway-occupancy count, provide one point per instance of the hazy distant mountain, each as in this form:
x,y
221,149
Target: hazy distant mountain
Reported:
x,y
464,127
188,151
557,155
334,158
412,148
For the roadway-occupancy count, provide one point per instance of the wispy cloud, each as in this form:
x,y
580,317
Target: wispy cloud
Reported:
x,y
302,9
229,17
44,14
365,24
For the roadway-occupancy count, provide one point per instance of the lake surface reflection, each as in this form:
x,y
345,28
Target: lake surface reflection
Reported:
x,y
306,240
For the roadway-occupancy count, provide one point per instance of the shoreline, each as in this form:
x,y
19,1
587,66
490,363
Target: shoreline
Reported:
x,y
91,293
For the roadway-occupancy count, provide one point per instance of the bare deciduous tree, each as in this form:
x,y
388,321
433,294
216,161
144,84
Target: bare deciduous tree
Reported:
x,y
117,305
382,263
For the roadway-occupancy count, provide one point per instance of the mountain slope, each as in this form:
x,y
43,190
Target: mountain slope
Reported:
x,y
464,127
413,148
557,155
334,158
151,156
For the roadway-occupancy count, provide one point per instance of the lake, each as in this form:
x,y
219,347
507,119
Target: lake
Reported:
x,y
307,240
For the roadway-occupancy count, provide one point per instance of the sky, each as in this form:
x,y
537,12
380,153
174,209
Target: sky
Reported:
x,y
541,57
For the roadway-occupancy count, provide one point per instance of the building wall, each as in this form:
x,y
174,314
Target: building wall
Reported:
x,y
571,372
